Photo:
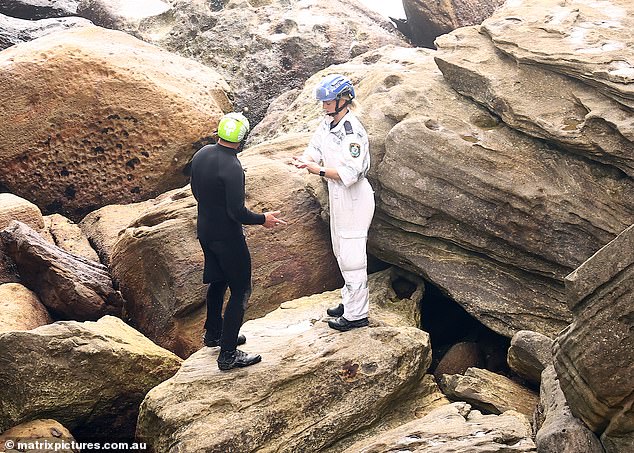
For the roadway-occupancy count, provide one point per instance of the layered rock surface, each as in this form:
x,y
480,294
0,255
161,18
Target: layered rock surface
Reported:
x,y
594,357
121,129
313,386
14,31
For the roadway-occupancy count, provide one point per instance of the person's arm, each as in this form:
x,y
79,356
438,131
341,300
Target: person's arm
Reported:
x,y
234,193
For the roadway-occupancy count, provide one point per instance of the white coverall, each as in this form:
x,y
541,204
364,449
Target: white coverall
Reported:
x,y
346,148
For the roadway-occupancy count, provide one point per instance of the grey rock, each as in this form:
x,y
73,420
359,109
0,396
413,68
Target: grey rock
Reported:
x,y
14,31
38,9
529,353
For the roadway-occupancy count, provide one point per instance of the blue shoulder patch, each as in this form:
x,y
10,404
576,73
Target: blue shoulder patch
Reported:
x,y
348,127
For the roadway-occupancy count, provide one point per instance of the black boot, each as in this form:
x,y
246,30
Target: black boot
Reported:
x,y
343,325
335,311
236,359
213,342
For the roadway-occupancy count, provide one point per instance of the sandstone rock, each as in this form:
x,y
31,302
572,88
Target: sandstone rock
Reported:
x,y
313,386
158,260
121,14
38,9
558,431
580,39
120,130
72,287
20,309
537,101
265,48
459,358
428,19
594,357
43,430
14,31
488,391
89,376
492,217
13,207
529,354
8,269
455,428
68,236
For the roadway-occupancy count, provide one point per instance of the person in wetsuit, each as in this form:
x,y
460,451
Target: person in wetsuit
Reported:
x,y
217,183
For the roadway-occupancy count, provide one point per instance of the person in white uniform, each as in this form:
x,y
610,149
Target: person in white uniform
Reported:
x,y
339,151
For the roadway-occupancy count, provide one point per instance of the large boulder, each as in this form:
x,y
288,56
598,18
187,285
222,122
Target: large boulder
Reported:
x,y
38,9
594,357
313,386
529,354
159,262
455,428
20,309
68,236
14,31
557,430
428,19
580,39
494,218
49,432
285,41
13,207
121,14
121,129
535,100
89,376
71,286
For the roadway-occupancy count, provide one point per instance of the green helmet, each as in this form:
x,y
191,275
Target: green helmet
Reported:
x,y
233,127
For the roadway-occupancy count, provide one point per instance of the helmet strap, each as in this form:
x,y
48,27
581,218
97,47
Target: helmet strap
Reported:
x,y
339,108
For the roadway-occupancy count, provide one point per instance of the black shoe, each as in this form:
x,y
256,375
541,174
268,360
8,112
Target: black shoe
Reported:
x,y
335,311
236,359
343,325
213,342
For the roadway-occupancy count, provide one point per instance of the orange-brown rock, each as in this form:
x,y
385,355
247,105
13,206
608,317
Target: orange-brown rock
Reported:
x,y
68,236
20,309
90,117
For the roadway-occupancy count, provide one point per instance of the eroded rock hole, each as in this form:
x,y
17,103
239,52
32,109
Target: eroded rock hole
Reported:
x,y
459,340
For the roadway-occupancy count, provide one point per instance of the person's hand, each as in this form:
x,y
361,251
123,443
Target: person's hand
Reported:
x,y
271,220
299,162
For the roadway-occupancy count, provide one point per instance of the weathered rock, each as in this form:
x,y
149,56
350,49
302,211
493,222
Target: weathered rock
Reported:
x,y
558,431
537,101
313,386
455,428
127,141
428,19
89,376
68,236
158,260
594,357
459,358
43,430
580,39
13,207
8,269
285,41
20,309
38,9
14,31
494,218
489,391
529,354
72,287
121,14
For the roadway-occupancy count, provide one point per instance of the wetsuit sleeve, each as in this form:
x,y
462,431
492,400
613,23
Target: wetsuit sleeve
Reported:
x,y
234,192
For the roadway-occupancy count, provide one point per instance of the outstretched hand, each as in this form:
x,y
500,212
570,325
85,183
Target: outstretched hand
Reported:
x,y
271,220
299,162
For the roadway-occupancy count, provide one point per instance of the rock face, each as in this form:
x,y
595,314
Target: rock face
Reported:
x,y
286,42
313,386
121,14
455,428
489,391
68,236
535,100
89,376
557,429
38,9
44,430
120,130
20,309
158,260
530,353
14,31
494,218
428,19
594,357
72,287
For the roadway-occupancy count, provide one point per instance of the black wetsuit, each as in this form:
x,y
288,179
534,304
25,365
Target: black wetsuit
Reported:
x,y
217,181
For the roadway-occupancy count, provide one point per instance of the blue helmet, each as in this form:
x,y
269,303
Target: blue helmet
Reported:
x,y
334,87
